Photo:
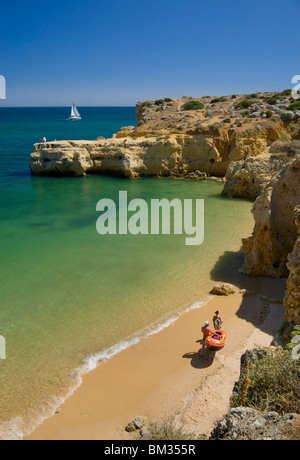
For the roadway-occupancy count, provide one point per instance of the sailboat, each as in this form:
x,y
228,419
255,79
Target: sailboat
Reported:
x,y
75,115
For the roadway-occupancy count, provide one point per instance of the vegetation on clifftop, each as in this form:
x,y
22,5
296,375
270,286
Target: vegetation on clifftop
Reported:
x,y
272,382
193,105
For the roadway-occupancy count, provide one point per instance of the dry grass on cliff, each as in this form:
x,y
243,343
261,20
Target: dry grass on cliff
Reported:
x,y
169,430
292,432
273,384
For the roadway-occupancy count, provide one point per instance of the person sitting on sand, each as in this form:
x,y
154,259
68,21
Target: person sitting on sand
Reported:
x,y
206,332
217,320
44,140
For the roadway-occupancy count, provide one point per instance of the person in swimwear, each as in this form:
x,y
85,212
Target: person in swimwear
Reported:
x,y
217,320
206,332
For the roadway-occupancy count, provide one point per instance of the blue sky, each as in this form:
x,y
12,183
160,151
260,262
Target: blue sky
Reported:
x,y
116,52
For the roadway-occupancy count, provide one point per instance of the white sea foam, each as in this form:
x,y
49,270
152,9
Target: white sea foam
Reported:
x,y
17,428
91,362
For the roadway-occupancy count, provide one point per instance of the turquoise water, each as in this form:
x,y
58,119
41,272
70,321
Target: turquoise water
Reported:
x,y
66,292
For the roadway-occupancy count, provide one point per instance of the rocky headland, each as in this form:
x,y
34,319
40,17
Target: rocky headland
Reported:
x,y
176,137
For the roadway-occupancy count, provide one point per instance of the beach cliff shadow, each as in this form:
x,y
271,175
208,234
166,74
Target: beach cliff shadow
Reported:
x,y
226,270
252,309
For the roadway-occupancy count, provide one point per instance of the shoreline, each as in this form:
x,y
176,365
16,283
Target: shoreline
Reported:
x,y
160,375
92,361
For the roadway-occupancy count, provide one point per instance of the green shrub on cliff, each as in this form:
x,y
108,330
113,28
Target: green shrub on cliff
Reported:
x,y
245,104
286,92
193,105
272,384
272,100
218,99
294,105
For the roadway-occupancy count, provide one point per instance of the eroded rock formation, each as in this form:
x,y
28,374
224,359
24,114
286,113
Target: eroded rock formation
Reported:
x,y
147,155
249,178
292,298
275,233
132,156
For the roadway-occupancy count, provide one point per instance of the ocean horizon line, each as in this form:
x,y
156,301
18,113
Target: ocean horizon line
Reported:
x,y
67,106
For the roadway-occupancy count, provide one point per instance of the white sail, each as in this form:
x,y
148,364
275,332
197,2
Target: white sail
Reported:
x,y
75,115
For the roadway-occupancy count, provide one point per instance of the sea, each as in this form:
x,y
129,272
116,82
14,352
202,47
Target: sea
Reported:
x,y
71,298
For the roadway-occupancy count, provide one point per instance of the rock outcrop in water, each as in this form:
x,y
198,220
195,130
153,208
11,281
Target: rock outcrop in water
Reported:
x,y
176,137
132,156
208,151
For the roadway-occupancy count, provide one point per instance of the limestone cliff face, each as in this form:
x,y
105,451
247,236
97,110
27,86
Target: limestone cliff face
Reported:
x,y
275,233
249,178
292,298
61,158
133,154
170,140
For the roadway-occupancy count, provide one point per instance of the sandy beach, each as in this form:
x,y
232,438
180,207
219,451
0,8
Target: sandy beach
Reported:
x,y
164,376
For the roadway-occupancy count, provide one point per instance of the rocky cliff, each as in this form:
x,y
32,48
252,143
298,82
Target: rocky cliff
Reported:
x,y
273,179
292,298
249,178
134,156
248,424
175,137
275,232
269,415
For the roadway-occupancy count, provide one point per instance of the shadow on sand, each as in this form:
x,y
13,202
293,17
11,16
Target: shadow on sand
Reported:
x,y
253,309
199,361
227,270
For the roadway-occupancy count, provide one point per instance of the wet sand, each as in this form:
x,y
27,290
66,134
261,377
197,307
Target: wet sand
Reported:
x,y
164,376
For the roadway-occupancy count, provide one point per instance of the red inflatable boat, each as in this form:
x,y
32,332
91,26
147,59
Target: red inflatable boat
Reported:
x,y
216,341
